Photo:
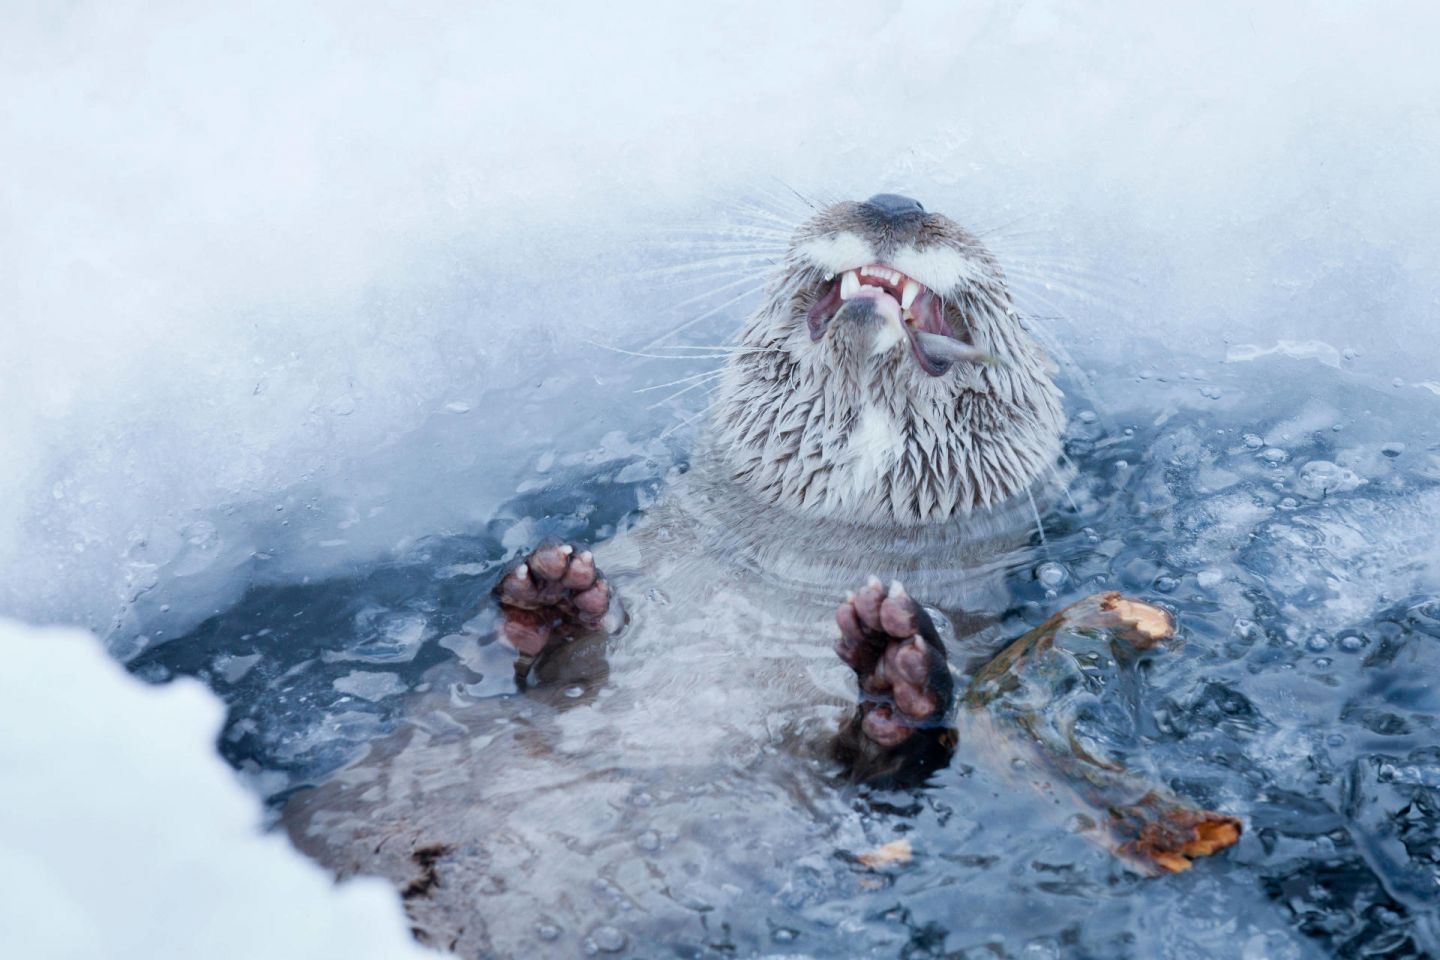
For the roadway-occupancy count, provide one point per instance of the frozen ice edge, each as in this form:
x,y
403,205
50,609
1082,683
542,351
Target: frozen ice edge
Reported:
x,y
125,835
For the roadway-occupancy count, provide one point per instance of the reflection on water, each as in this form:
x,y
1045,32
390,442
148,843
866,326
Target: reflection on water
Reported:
x,y
1286,512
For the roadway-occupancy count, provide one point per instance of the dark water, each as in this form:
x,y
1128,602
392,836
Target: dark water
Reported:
x,y
1287,511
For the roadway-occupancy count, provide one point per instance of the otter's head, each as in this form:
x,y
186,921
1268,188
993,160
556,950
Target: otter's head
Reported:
x,y
856,390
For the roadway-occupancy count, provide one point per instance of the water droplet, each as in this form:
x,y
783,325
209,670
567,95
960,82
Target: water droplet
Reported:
x,y
574,691
608,939
784,935
1052,575
1318,642
1275,455
1040,950
1318,478
1253,441
1166,584
1353,643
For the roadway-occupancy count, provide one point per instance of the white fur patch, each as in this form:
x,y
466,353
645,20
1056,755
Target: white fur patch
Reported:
x,y
874,447
942,269
887,338
844,251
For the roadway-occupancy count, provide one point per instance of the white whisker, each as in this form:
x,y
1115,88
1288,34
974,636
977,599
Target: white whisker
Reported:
x,y
716,265
712,242
1024,285
705,316
756,282
699,351
1039,526
646,356
1066,361
683,390
694,376
684,423
747,232
1070,465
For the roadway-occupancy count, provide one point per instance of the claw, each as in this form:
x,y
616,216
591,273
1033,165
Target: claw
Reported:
x,y
867,603
897,613
594,601
550,562
581,574
910,661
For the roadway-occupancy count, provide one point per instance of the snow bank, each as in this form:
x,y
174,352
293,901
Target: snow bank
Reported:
x,y
124,835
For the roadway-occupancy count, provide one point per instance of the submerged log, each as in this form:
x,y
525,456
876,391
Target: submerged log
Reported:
x,y
1011,706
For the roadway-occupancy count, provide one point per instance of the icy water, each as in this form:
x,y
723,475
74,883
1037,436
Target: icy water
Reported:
x,y
1286,510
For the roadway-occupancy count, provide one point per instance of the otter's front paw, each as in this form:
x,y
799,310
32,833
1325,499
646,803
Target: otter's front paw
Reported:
x,y
890,642
557,589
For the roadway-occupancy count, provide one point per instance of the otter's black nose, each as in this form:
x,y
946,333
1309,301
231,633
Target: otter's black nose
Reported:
x,y
892,206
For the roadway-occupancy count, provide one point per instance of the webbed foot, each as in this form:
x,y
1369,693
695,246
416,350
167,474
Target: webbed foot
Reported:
x,y
906,688
556,591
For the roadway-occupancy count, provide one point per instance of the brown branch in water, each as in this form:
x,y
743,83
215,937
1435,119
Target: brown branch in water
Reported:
x,y
1145,823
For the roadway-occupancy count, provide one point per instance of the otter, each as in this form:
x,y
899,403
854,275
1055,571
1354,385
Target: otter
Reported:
x,y
884,412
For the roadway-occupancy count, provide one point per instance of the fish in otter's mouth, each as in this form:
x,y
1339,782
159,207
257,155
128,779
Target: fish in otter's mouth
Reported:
x,y
896,299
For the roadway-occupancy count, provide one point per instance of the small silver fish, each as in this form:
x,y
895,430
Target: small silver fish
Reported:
x,y
954,351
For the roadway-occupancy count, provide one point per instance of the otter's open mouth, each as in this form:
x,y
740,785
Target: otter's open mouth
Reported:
x,y
896,298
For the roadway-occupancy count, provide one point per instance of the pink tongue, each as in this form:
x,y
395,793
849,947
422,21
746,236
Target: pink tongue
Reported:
x,y
885,305
928,314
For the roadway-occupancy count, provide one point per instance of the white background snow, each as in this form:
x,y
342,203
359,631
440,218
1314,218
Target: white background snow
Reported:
x,y
254,247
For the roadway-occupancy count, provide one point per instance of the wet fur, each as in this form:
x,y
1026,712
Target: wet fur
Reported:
x,y
836,431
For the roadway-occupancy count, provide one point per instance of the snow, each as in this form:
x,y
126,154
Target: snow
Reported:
x,y
246,251
124,835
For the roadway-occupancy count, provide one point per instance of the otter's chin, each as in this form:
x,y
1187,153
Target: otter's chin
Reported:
x,y
885,293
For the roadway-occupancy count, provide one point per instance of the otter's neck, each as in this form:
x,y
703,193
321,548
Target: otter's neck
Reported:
x,y
811,559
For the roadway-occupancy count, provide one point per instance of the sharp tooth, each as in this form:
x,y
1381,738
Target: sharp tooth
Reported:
x,y
908,295
849,284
